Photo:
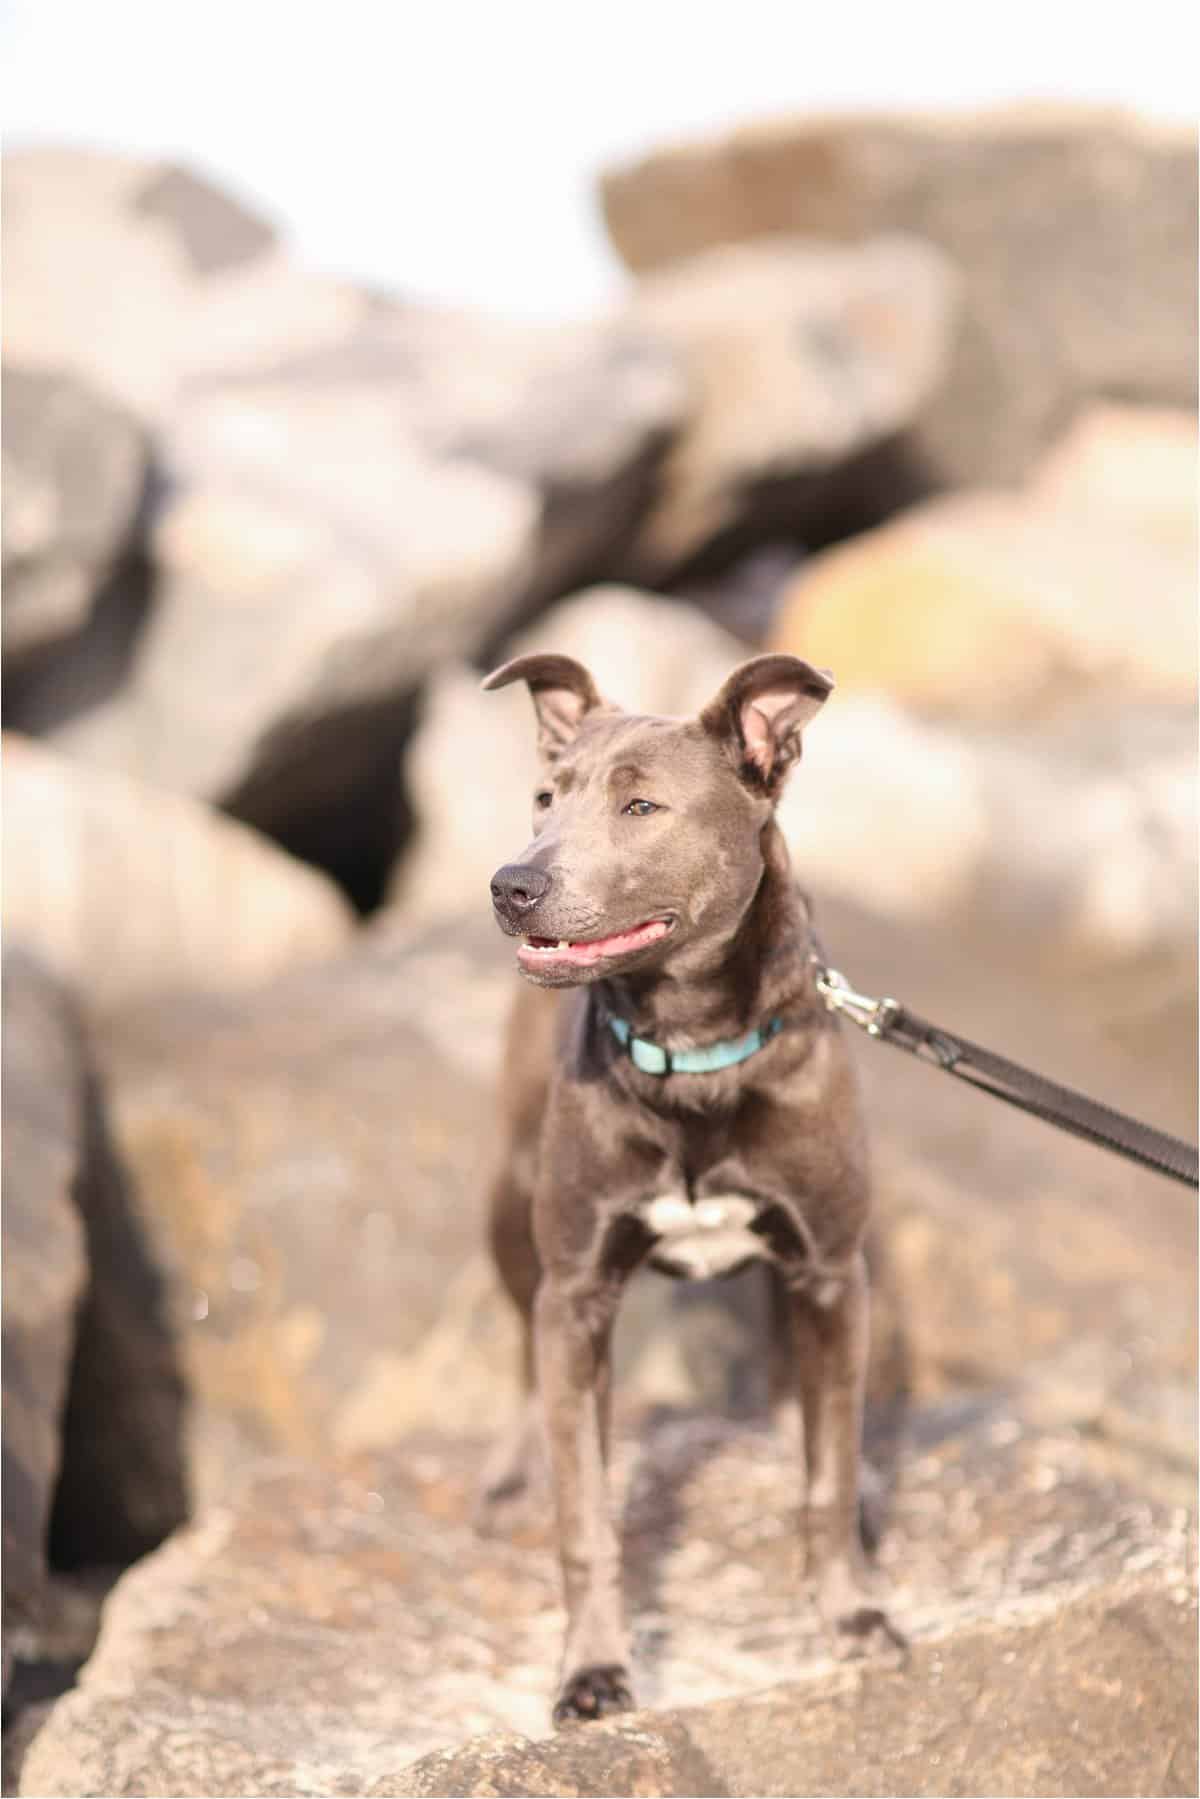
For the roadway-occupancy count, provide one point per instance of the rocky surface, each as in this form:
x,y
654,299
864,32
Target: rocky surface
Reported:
x,y
809,363
127,890
323,1630
997,606
136,276
307,1167
291,628
1080,204
341,501
244,1273
44,1272
75,472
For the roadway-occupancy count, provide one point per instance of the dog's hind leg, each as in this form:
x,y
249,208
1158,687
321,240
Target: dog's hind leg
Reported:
x,y
519,1457
830,1334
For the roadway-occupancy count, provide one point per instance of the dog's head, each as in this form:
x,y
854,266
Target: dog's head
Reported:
x,y
647,831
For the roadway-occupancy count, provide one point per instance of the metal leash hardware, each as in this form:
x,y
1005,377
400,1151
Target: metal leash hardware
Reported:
x,y
892,1023
871,1015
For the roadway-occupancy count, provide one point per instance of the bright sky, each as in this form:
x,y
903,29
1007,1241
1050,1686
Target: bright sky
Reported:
x,y
449,149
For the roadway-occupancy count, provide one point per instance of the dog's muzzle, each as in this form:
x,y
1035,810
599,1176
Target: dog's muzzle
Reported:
x,y
517,890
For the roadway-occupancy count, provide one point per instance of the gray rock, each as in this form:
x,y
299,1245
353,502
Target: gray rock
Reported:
x,y
75,469
306,1165
810,363
135,276
127,890
1074,230
44,1272
324,1628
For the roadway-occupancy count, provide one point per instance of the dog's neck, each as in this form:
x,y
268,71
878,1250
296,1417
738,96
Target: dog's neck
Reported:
x,y
708,993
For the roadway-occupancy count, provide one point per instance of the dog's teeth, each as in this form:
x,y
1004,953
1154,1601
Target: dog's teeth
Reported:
x,y
562,943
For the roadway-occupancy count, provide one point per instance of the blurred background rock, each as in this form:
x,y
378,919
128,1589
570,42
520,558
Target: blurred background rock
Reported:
x,y
907,388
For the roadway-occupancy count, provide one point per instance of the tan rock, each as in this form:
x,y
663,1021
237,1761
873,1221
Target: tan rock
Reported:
x,y
802,357
361,1623
136,276
127,891
993,606
1074,229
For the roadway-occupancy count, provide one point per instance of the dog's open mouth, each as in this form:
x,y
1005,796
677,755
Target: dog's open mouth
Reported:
x,y
587,951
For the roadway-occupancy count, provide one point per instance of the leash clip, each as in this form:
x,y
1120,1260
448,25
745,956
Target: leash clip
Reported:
x,y
871,1015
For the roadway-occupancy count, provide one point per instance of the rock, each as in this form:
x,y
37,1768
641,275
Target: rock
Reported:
x,y
581,414
340,523
994,605
1079,272
305,1164
75,470
325,1627
92,1468
44,1273
136,277
290,632
1094,1697
1138,462
806,361
128,891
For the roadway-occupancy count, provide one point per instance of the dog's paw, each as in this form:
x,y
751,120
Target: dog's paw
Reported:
x,y
868,1631
593,1693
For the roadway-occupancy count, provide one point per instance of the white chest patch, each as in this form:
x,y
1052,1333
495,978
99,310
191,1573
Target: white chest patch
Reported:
x,y
705,1239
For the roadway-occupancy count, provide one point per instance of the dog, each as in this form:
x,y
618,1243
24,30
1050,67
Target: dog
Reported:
x,y
688,1102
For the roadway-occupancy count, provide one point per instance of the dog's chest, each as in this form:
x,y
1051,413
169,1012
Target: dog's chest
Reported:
x,y
704,1238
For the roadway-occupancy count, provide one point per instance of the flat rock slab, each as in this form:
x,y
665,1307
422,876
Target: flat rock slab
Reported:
x,y
1095,1698
327,1628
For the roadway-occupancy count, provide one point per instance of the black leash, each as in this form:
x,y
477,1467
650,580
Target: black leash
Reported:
x,y
892,1023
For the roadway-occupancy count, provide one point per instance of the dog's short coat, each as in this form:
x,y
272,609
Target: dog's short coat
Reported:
x,y
657,889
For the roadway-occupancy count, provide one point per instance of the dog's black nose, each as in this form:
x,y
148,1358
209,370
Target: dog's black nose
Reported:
x,y
518,886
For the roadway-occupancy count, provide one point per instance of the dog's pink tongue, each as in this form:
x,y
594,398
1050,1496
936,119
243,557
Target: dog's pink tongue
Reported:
x,y
581,955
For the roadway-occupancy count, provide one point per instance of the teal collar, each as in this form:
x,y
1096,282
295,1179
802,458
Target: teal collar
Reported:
x,y
652,1058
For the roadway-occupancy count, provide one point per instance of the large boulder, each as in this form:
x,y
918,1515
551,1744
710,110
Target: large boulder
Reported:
x,y
128,890
995,606
93,1474
351,489
75,470
45,1273
1074,231
306,1165
292,626
136,276
361,1624
810,363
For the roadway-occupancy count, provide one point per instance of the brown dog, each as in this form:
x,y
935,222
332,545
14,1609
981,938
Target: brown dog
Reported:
x,y
691,1103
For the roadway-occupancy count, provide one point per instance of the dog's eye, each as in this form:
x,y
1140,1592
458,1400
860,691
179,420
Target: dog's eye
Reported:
x,y
543,799
640,808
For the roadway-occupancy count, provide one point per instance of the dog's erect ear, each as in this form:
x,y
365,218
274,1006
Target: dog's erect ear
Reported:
x,y
761,713
563,693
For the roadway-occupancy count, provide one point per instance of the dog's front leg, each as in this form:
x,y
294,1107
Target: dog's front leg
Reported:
x,y
572,1334
831,1336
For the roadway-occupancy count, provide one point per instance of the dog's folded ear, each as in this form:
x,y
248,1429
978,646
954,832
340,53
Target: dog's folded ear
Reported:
x,y
760,714
563,693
